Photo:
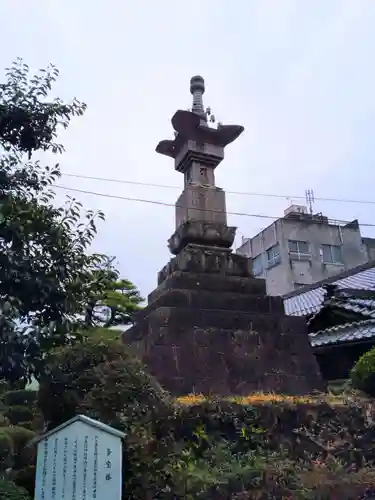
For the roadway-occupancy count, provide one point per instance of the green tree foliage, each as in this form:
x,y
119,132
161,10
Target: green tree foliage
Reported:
x,y
112,301
363,373
28,121
98,334
48,277
43,258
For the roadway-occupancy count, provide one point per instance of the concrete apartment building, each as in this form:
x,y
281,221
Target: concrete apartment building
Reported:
x,y
300,249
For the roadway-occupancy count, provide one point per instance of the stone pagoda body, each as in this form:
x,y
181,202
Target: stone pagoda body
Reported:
x,y
209,326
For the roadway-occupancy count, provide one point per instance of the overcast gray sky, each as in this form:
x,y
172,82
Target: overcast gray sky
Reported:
x,y
297,74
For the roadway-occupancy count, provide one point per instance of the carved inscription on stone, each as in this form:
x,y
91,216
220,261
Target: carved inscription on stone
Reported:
x,y
196,199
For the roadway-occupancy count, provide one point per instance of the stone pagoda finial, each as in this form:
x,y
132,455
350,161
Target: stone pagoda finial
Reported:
x,y
197,90
191,129
197,149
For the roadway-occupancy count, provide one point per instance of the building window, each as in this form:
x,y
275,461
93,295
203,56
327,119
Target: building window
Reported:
x,y
257,265
332,254
273,255
299,247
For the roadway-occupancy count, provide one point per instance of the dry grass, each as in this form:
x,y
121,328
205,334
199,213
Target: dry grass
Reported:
x,y
270,398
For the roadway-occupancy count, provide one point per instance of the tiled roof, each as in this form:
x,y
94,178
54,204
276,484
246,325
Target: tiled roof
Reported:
x,y
344,299
360,330
302,303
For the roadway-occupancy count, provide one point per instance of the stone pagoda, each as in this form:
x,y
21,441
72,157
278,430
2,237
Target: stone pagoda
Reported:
x,y
209,326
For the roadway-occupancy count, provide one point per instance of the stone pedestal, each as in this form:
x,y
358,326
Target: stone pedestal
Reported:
x,y
210,328
201,233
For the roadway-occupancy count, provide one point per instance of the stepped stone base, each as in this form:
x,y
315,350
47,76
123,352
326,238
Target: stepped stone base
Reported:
x,y
217,332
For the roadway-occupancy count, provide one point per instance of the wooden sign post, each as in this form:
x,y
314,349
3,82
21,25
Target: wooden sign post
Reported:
x,y
79,460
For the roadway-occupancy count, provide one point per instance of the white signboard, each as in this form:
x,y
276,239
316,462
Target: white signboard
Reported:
x,y
79,460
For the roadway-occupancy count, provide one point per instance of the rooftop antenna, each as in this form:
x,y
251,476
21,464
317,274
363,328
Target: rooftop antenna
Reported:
x,y
310,199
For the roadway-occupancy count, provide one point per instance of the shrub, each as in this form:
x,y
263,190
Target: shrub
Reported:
x,y
3,421
20,437
4,386
330,479
25,478
101,334
222,473
20,398
123,391
6,451
26,425
75,373
18,414
363,373
10,491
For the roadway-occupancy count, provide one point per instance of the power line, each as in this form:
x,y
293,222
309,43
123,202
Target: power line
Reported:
x,y
165,204
162,203
242,193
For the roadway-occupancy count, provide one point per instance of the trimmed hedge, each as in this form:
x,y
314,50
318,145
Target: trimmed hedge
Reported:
x,y
10,491
18,414
363,373
4,386
26,425
25,478
20,398
6,451
223,450
20,437
98,378
3,421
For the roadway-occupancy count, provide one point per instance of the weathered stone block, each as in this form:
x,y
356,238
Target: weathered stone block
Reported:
x,y
226,352
209,282
206,299
207,260
201,232
200,201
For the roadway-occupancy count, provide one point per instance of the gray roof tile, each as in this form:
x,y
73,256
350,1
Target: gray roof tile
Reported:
x,y
311,301
349,332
